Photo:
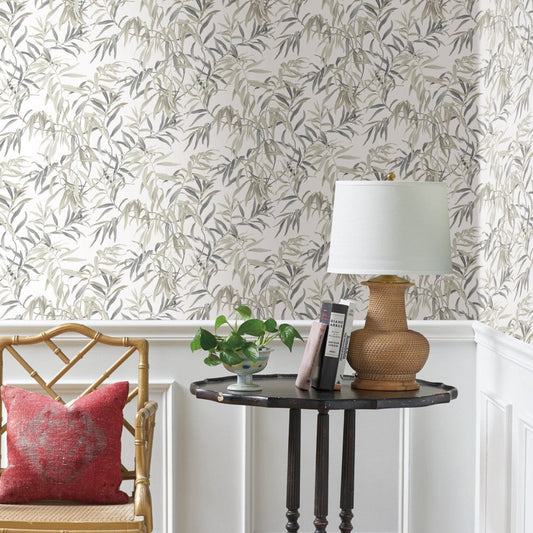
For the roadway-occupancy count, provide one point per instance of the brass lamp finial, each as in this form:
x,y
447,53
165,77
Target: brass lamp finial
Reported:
x,y
391,176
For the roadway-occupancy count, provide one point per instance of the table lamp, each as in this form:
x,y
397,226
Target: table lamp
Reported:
x,y
389,228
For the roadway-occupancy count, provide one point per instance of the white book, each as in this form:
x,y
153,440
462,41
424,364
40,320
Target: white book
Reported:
x,y
312,351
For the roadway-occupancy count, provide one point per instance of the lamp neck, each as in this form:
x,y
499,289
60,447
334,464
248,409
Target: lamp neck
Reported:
x,y
386,304
388,278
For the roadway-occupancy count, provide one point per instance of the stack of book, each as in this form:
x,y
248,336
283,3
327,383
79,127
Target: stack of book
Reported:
x,y
326,348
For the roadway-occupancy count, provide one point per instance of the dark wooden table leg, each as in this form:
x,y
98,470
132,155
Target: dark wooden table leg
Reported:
x,y
321,472
348,468
293,471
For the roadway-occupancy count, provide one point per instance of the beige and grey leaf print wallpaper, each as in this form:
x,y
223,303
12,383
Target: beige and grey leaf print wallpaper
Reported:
x,y
506,178
166,159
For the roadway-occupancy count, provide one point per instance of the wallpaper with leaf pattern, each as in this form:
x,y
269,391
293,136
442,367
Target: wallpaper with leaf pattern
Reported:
x,y
172,158
506,179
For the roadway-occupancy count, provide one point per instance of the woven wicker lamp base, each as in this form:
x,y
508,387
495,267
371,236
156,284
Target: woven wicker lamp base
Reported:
x,y
385,354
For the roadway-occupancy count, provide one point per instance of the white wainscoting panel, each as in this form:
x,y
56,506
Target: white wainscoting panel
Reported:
x,y
441,446
495,462
223,468
524,515
505,427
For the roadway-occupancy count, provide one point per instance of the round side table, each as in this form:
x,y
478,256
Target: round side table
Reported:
x,y
279,391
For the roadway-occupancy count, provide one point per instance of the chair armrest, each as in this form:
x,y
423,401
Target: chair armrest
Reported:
x,y
144,434
143,415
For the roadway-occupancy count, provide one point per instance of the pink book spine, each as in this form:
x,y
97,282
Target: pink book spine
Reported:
x,y
312,350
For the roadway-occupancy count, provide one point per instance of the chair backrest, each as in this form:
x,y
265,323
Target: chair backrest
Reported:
x,y
49,371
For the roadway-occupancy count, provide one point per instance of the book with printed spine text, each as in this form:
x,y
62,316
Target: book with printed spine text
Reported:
x,y
348,327
334,315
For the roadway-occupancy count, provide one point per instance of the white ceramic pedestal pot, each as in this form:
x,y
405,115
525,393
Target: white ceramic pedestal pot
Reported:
x,y
244,371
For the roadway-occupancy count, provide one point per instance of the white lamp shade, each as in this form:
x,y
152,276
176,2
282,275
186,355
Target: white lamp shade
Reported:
x,y
390,227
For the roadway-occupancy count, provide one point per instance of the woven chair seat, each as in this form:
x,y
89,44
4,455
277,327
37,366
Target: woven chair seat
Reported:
x,y
69,517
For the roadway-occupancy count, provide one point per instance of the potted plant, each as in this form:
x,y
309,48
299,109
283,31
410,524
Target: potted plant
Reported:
x,y
244,347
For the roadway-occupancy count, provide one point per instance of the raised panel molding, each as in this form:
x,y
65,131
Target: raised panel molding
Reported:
x,y
524,477
495,467
505,368
405,468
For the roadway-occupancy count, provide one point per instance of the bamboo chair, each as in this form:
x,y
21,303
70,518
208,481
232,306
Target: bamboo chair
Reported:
x,y
136,515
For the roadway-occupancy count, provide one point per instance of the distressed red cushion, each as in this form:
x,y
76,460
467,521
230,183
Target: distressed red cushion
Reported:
x,y
58,452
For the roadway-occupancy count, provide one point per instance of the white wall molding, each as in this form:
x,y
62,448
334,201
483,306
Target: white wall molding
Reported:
x,y
154,330
444,330
505,465
524,477
248,458
405,469
504,345
168,463
495,427
184,330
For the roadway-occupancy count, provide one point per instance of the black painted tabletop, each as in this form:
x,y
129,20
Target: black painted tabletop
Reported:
x,y
278,390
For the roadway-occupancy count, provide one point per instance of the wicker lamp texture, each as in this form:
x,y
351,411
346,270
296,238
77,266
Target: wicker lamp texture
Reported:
x,y
389,228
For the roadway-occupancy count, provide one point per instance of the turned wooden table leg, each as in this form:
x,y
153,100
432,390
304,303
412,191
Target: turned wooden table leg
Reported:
x,y
348,467
321,472
293,471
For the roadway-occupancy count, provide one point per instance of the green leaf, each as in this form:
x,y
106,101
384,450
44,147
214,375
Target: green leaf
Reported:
x,y
244,311
271,325
253,327
220,320
233,343
204,340
195,344
251,351
287,334
230,358
212,360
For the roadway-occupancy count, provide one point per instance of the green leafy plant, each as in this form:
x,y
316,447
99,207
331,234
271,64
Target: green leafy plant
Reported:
x,y
244,340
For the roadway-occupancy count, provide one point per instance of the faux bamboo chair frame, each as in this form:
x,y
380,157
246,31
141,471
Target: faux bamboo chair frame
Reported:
x,y
142,429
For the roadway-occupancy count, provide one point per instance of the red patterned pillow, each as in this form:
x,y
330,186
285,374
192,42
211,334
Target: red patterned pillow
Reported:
x,y
58,452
